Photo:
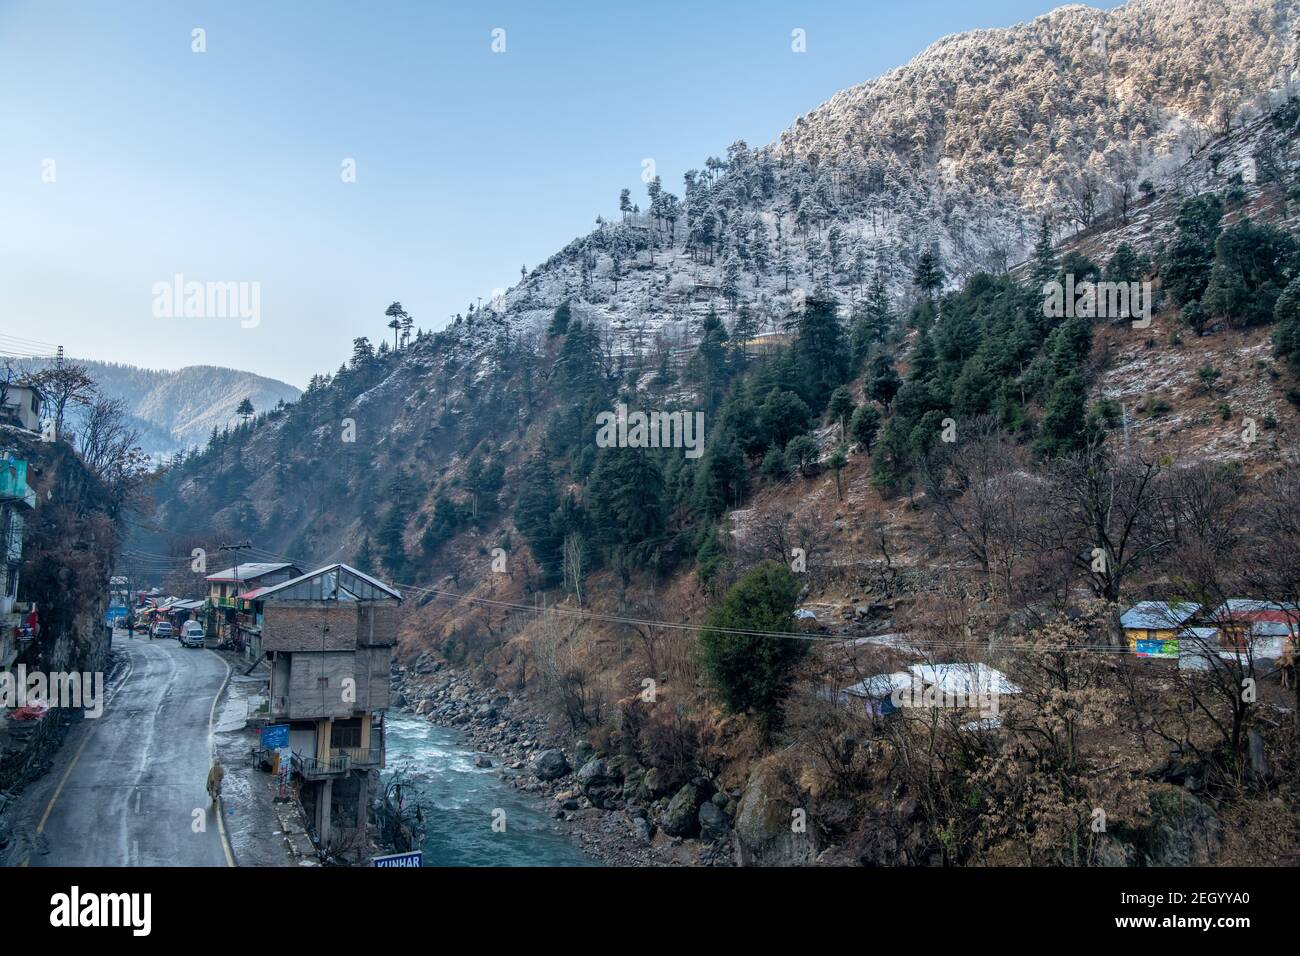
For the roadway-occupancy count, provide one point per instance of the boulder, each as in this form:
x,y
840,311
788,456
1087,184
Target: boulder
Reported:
x,y
482,762
597,783
594,773
1259,767
681,817
653,784
1184,830
550,765
713,822
765,831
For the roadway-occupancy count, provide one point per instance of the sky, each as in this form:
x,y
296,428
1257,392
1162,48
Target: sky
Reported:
x,y
128,159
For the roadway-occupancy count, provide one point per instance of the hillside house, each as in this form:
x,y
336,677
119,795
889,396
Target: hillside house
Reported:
x,y
1261,627
330,635
22,407
17,500
1152,628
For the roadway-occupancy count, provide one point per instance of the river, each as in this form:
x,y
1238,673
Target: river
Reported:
x,y
461,798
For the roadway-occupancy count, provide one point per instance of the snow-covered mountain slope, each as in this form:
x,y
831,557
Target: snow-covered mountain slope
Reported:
x,y
966,148
753,231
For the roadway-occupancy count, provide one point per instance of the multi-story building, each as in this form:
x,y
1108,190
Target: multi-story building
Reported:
x,y
17,499
329,635
227,608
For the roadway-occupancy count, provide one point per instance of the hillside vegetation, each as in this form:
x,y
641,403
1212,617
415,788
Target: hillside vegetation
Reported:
x,y
902,444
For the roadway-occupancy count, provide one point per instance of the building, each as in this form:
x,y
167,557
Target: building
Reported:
x,y
22,405
227,613
17,500
1152,627
329,635
1261,627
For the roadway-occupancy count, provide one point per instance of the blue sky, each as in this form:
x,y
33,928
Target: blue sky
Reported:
x,y
226,166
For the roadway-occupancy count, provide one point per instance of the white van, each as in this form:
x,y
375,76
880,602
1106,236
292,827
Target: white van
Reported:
x,y
192,634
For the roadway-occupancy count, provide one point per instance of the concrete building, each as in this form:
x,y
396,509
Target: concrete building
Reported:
x,y
22,405
329,635
228,614
17,500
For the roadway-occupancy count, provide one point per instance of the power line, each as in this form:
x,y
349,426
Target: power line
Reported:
x,y
841,638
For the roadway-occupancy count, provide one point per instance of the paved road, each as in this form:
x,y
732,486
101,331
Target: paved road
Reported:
x,y
124,788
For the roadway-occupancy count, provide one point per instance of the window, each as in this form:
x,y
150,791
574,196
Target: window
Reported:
x,y
345,733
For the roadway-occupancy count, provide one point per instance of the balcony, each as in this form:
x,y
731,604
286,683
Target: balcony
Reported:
x,y
13,484
362,758
310,768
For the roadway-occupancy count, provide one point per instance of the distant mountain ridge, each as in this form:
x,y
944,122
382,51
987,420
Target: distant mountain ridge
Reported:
x,y
177,409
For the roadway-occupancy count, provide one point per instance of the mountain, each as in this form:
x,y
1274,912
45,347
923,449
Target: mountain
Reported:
x,y
176,410
962,152
833,304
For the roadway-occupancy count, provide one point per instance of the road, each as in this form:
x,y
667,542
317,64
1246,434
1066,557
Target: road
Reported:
x,y
128,788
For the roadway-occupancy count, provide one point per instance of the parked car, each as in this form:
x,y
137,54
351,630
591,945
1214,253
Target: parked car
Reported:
x,y
192,634
162,629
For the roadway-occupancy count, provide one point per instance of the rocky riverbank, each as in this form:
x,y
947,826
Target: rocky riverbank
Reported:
x,y
616,810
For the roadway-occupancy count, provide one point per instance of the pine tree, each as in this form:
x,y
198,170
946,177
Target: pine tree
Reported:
x,y
1045,266
752,672
537,503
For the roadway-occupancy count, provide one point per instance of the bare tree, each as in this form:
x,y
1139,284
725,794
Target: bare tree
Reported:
x,y
65,386
1105,516
110,448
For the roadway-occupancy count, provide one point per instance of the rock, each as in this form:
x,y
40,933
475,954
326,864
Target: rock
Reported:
x,y
485,712
550,765
643,829
1108,851
582,752
713,822
654,784
397,699
424,706
1184,831
482,762
1258,757
596,782
681,818
764,830
632,777
594,773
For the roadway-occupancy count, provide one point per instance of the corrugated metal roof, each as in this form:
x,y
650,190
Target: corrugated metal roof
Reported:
x,y
964,678
880,685
248,571
1158,615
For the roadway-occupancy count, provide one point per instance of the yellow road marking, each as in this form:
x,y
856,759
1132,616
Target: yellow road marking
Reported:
x,y
40,827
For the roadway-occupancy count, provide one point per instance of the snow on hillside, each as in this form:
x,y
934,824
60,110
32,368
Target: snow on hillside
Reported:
x,y
964,150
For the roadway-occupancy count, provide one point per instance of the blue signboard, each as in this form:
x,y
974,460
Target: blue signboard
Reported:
x,y
275,737
415,859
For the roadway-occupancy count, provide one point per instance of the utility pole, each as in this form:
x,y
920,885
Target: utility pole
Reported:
x,y
245,545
